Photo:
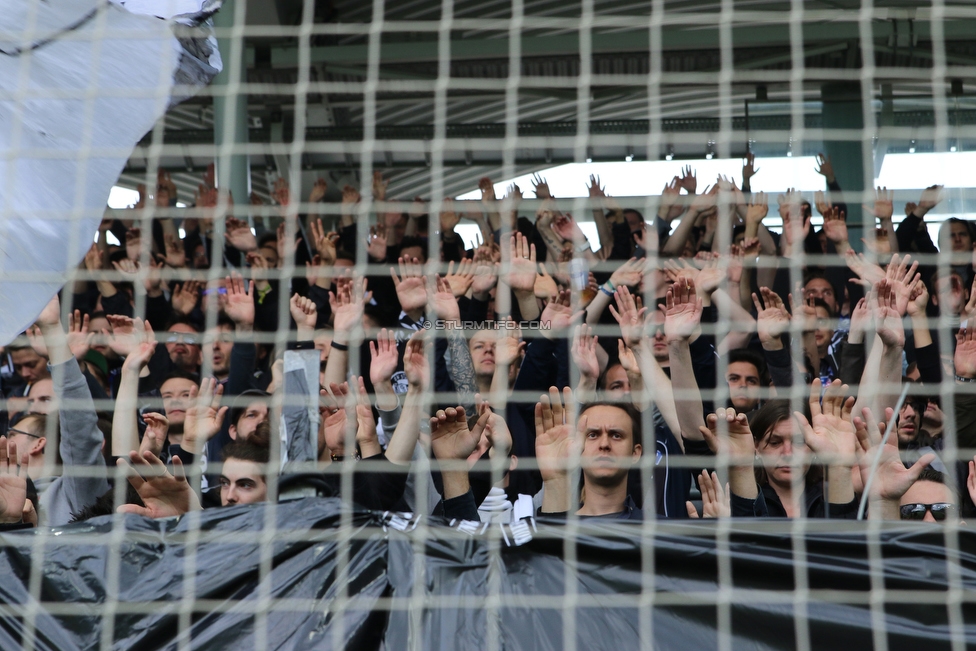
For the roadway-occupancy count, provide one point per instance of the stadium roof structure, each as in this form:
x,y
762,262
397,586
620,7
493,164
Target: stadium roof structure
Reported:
x,y
599,80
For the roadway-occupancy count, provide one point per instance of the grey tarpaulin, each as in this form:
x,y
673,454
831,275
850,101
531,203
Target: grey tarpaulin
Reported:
x,y
81,82
459,572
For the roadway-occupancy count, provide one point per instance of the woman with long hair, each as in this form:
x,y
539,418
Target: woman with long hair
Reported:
x,y
773,460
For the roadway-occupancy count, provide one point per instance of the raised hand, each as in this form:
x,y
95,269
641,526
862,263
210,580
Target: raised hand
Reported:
x,y
749,168
867,271
133,243
93,259
727,431
772,320
450,437
460,281
931,196
135,339
540,187
239,304
682,311
825,168
157,431
324,243
186,296
487,189
628,316
305,314
415,365
443,301
628,274
902,281
831,433
79,339
508,347
557,315
835,226
204,416
319,188
175,251
891,478
366,438
964,358
522,264
688,179
918,300
376,243
883,207
584,352
804,313
716,503
286,247
555,443
350,197
860,322
448,216
379,186
758,209
411,289
347,305
383,357
545,286
13,482
485,273
281,193
567,229
164,495
332,433
239,235
886,316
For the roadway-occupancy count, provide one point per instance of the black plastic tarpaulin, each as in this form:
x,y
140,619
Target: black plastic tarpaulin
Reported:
x,y
386,583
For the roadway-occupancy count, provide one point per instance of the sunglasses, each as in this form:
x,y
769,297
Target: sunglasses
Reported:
x,y
940,511
214,290
11,430
182,337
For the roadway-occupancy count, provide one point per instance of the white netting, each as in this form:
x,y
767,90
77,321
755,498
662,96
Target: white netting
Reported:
x,y
336,194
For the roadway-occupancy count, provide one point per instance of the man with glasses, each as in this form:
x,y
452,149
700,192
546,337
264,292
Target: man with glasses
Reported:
x,y
183,341
929,499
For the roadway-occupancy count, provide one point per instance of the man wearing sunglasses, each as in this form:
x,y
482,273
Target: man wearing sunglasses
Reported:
x,y
929,499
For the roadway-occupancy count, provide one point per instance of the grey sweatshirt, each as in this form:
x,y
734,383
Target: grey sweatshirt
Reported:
x,y
80,445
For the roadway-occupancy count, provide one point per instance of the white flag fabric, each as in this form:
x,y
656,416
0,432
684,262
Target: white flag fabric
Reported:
x,y
81,82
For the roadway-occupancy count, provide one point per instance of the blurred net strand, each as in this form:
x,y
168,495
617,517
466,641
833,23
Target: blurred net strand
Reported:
x,y
571,600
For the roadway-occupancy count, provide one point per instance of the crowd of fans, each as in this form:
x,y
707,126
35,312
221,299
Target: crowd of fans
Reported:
x,y
523,377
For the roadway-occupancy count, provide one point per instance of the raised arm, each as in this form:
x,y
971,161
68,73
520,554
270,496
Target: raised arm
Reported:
x,y
682,318
452,443
555,449
81,440
728,434
521,275
417,369
585,359
125,431
831,437
891,478
347,308
676,243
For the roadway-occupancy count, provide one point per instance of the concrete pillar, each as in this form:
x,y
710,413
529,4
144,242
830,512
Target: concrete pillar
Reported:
x,y
842,109
230,112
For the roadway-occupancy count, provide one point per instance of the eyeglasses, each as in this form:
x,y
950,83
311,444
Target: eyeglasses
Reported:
x,y
940,511
11,430
187,338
